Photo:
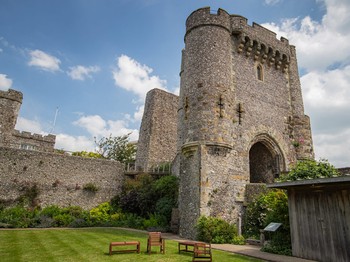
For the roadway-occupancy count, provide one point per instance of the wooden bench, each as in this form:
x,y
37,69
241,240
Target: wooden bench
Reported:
x,y
202,252
125,243
187,244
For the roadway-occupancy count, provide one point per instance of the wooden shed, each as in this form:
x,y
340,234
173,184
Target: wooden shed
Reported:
x,y
319,215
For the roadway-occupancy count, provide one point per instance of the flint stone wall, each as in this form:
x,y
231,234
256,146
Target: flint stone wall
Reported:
x,y
157,141
60,178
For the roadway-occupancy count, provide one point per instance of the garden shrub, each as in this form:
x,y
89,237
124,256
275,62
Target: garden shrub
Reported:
x,y
101,213
51,211
269,207
132,221
74,211
164,207
238,240
215,230
155,222
63,220
310,169
144,196
45,222
18,216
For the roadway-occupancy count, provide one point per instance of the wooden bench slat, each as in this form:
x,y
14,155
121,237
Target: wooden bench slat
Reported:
x,y
124,243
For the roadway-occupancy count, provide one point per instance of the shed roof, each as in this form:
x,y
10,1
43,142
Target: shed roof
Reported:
x,y
319,183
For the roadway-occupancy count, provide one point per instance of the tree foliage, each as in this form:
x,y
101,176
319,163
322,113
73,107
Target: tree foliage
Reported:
x,y
145,196
87,154
310,169
116,148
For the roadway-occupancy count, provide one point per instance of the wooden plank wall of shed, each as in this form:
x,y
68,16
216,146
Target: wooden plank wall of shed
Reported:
x,y
320,224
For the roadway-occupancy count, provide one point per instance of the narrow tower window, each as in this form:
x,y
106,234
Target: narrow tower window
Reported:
x,y
259,72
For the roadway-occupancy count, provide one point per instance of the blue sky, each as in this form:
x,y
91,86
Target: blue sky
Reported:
x,y
94,61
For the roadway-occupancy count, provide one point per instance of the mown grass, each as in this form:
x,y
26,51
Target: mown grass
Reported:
x,y
88,244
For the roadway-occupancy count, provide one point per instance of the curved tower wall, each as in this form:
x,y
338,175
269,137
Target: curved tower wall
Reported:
x,y
206,95
206,110
10,103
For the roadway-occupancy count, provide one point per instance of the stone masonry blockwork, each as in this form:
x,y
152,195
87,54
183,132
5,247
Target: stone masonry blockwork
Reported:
x,y
60,178
157,141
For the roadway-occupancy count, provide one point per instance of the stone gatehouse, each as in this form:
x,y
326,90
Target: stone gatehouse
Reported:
x,y
240,116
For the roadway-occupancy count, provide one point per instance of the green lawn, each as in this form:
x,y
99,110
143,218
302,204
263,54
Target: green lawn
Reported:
x,y
88,244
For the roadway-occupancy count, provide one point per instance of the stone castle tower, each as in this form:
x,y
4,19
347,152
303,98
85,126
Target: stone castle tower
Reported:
x,y
240,118
10,104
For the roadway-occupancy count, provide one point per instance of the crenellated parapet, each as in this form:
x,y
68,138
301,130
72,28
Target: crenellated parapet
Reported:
x,y
29,141
28,135
204,17
260,43
12,95
254,40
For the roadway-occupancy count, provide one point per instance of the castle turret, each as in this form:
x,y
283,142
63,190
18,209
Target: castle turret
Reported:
x,y
207,97
10,103
206,110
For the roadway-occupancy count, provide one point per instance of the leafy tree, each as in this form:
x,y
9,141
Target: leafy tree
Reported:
x,y
87,154
117,148
310,169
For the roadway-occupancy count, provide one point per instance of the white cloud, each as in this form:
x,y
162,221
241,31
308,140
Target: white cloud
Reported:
x,y
95,125
28,125
319,44
334,147
134,77
74,143
272,2
98,127
327,89
44,61
5,83
63,141
139,113
81,72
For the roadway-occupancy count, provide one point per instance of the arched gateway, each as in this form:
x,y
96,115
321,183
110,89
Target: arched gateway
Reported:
x,y
266,160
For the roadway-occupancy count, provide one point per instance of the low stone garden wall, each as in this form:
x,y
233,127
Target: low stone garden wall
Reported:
x,y
57,179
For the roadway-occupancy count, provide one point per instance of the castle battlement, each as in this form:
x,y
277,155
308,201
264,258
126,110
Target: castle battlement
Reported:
x,y
28,135
12,95
260,43
204,17
254,40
